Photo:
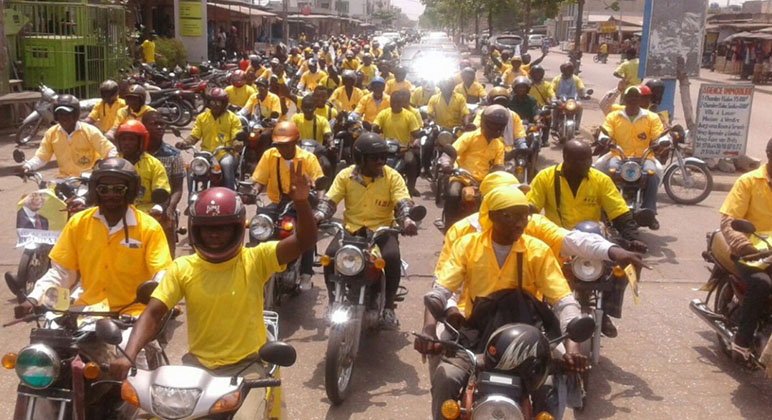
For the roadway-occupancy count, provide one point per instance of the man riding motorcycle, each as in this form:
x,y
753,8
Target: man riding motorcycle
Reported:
x,y
469,88
541,90
514,71
568,85
373,103
401,124
135,108
350,62
374,196
347,96
76,146
478,152
497,258
398,82
751,199
264,101
448,108
423,93
106,109
368,69
311,77
311,125
239,92
217,127
524,105
273,169
223,277
514,130
633,130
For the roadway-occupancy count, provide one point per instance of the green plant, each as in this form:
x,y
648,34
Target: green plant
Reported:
x,y
170,52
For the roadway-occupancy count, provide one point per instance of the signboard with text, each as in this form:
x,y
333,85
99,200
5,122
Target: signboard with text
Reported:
x,y
723,120
191,23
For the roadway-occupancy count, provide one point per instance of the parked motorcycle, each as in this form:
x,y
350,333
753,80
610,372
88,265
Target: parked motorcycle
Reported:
x,y
726,290
359,301
687,180
172,106
42,116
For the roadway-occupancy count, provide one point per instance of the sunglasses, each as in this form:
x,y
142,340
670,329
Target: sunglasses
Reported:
x,y
112,189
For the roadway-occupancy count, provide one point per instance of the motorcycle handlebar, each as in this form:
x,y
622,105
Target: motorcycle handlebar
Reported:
x,y
262,383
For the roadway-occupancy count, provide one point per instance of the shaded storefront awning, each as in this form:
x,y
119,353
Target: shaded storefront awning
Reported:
x,y
243,10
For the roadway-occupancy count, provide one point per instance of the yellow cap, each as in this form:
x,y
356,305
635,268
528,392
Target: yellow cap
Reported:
x,y
497,179
500,198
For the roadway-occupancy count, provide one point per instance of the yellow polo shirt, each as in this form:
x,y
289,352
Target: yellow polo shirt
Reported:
x,y
542,92
104,115
393,85
477,155
448,114
368,73
233,287
268,106
307,129
629,72
85,147
476,89
109,267
265,172
751,198
152,176
148,51
239,96
343,101
397,126
517,124
369,202
472,266
596,192
420,96
633,135
310,80
509,75
126,113
215,132
368,109
350,64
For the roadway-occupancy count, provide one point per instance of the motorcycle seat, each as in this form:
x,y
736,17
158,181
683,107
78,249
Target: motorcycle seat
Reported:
x,y
720,253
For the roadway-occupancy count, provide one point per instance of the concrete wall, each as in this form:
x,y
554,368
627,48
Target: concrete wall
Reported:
x,y
196,46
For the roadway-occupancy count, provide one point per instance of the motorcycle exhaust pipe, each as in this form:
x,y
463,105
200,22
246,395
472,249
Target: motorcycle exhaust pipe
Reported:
x,y
713,319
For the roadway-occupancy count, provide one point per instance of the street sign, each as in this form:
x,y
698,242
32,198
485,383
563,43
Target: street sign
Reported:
x,y
723,120
607,27
675,34
305,10
191,23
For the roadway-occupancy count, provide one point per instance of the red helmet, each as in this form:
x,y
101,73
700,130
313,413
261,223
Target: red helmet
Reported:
x,y
238,78
137,128
217,94
193,70
217,206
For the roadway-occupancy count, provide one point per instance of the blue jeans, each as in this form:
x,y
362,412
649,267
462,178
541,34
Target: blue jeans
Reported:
x,y
652,183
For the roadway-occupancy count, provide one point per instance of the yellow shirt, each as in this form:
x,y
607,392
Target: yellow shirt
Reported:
x,y
152,176
343,102
223,302
475,90
109,267
472,266
596,192
509,75
635,135
239,96
294,60
368,109
215,132
310,80
328,83
352,64
104,115
314,129
517,124
420,96
148,51
268,106
603,48
86,145
629,72
126,113
477,155
448,114
393,85
265,172
368,73
542,92
751,198
369,202
397,126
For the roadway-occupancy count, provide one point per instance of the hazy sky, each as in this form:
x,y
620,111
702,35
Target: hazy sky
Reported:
x,y
412,8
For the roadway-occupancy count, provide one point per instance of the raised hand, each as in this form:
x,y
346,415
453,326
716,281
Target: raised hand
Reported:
x,y
300,186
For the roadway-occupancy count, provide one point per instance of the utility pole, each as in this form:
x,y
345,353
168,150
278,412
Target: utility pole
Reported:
x,y
576,58
4,85
285,21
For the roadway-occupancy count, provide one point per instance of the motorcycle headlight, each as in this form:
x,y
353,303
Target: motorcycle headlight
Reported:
x,y
199,166
570,106
261,227
631,171
173,403
349,260
587,270
497,407
37,366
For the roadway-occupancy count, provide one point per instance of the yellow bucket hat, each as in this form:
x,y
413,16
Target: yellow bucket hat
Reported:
x,y
502,197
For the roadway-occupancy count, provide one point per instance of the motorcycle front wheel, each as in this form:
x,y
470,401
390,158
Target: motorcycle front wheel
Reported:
x,y
28,131
339,361
689,185
171,111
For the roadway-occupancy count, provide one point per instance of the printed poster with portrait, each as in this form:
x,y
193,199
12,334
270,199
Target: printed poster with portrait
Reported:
x,y
40,217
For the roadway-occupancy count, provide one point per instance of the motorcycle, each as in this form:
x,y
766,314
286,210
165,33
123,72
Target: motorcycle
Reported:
x,y
566,113
470,198
342,143
43,115
682,175
491,393
726,290
359,301
395,156
321,153
204,172
58,377
174,109
600,58
525,155
439,179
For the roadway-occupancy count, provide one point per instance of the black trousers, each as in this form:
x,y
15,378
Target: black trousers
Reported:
x,y
389,246
412,167
452,203
758,286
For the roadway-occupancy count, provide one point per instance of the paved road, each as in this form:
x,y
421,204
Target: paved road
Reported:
x,y
663,365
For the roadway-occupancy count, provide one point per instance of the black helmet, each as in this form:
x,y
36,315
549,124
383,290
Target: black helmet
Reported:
x,y
589,226
496,115
657,88
108,87
536,69
521,81
138,91
522,350
114,167
66,103
368,144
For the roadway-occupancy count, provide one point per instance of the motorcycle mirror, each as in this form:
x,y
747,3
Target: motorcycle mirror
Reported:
x,y
322,183
108,332
278,353
580,329
18,156
417,213
159,196
435,302
643,217
145,291
743,226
